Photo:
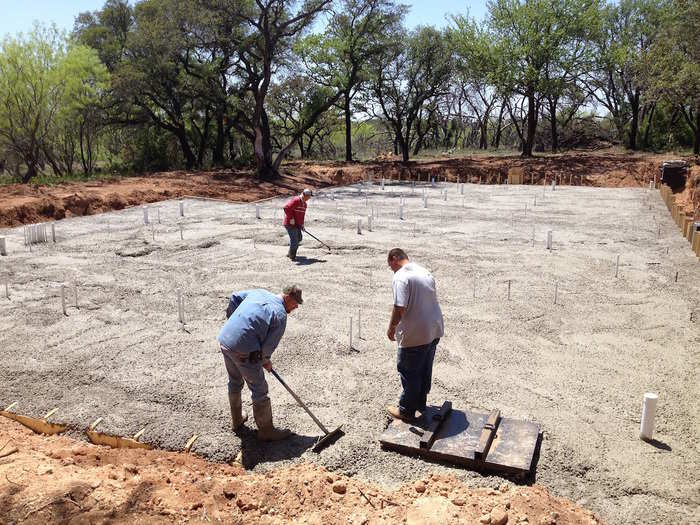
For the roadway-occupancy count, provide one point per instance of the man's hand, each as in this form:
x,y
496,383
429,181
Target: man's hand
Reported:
x,y
292,221
391,333
267,365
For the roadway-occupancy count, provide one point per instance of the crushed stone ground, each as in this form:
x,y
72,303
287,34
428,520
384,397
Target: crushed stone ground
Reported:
x,y
578,368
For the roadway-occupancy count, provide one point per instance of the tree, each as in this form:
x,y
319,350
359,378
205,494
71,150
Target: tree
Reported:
x,y
269,31
674,63
532,35
355,34
405,79
477,62
628,31
43,82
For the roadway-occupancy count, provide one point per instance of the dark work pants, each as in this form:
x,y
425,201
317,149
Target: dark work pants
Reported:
x,y
294,239
415,366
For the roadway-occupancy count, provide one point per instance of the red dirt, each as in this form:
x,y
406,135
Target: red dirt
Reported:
x,y
58,479
22,204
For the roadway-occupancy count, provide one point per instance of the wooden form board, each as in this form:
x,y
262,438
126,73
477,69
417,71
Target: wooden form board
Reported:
x,y
511,451
40,426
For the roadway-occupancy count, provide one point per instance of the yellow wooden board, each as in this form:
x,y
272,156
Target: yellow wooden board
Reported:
x,y
98,438
37,425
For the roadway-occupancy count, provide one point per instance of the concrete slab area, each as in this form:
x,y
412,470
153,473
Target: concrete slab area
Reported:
x,y
579,368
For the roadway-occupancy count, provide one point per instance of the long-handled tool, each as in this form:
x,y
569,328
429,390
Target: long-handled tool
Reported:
x,y
328,436
319,240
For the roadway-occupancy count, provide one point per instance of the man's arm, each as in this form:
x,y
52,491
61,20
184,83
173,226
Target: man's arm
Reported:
x,y
289,209
234,302
396,315
273,337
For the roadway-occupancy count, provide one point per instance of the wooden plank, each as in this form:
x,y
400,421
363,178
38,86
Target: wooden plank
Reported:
x,y
435,423
37,425
487,434
512,449
190,442
98,438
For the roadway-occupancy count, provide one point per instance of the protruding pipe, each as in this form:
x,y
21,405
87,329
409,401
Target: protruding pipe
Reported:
x,y
646,430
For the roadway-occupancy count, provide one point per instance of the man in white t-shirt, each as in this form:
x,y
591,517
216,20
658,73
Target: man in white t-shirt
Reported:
x,y
416,324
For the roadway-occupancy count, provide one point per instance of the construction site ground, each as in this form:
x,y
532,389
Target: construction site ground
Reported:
x,y
579,367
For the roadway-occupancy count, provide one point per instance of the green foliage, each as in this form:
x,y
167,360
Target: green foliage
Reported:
x,y
45,83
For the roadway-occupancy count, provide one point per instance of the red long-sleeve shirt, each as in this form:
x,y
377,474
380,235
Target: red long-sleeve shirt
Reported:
x,y
296,209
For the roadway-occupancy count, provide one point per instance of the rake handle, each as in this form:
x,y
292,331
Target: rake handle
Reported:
x,y
301,403
319,240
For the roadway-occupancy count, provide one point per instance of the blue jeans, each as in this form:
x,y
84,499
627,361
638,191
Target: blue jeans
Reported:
x,y
240,369
415,366
294,239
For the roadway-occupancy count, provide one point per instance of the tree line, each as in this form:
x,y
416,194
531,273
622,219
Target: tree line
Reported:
x,y
157,84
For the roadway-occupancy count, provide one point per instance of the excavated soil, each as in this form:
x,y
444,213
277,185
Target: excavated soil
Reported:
x,y
58,479
579,368
22,204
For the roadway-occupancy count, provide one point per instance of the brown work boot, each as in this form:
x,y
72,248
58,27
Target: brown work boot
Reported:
x,y
238,417
262,411
394,412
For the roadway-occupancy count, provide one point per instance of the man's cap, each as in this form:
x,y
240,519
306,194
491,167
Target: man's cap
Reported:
x,y
308,192
294,292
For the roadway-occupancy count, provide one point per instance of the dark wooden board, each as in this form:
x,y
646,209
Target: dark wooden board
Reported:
x,y
511,451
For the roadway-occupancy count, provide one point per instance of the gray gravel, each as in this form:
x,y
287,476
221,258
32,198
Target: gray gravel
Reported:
x,y
579,368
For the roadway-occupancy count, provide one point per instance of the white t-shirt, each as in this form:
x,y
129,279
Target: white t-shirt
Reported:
x,y
414,289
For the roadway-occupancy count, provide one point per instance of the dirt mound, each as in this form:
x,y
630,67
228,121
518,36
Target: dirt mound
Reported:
x,y
58,479
24,204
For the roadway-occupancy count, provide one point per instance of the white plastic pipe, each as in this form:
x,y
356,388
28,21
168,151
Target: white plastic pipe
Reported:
x,y
461,189
554,184
181,236
3,246
180,307
425,201
359,226
7,290
158,213
401,212
359,323
75,294
257,211
369,222
382,183
556,290
145,215
182,208
646,430
350,331
549,240
617,265
63,299
53,232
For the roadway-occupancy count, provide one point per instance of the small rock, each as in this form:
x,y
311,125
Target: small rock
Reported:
x,y
499,517
44,470
486,518
329,478
339,487
197,505
504,487
96,484
229,492
458,500
524,519
493,492
420,487
507,504
132,469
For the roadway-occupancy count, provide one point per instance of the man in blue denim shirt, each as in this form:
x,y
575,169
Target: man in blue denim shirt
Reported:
x,y
256,322
417,325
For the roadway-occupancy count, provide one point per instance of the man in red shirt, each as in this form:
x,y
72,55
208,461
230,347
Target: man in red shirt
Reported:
x,y
294,212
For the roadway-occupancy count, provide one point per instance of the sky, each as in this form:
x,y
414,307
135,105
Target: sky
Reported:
x,y
19,15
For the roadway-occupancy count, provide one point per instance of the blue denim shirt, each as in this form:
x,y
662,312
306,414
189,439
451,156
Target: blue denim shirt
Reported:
x,y
257,323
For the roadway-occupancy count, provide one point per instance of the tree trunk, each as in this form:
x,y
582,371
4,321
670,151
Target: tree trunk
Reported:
x,y
348,127
302,153
696,143
263,150
531,123
82,148
497,138
634,127
31,172
220,144
190,159
553,122
645,140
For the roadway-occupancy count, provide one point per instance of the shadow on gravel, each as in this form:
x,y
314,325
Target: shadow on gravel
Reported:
x,y
255,452
304,261
659,444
